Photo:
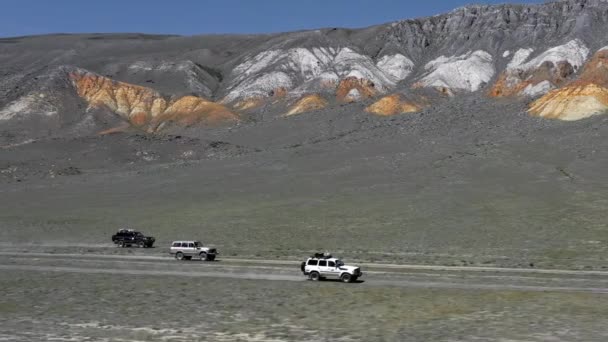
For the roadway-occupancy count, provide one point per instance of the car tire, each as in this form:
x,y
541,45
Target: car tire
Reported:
x,y
141,244
346,278
179,256
121,244
314,276
203,256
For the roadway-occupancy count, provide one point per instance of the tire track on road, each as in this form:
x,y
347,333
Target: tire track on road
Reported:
x,y
299,278
295,263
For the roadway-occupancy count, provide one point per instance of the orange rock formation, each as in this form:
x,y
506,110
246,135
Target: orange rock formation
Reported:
x,y
364,89
513,82
392,105
308,103
145,108
250,103
584,97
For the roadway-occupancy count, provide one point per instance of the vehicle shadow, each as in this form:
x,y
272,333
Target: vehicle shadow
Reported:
x,y
358,281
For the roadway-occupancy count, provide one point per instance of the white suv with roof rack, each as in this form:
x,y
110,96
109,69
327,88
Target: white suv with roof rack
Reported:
x,y
324,266
186,250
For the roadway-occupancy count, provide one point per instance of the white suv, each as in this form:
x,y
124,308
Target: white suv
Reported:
x,y
322,266
186,250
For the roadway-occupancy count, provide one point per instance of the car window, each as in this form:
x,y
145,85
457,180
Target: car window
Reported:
x,y
191,245
331,264
322,262
197,243
176,244
312,262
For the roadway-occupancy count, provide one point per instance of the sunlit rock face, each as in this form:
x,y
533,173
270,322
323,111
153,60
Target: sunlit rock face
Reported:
x,y
395,104
584,97
302,71
536,76
145,108
152,83
353,89
309,103
466,72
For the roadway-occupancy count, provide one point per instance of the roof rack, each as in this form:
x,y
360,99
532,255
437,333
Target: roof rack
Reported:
x,y
325,255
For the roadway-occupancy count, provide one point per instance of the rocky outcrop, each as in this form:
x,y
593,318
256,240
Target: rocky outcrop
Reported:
x,y
308,103
353,89
145,108
524,50
549,70
511,26
394,104
249,104
582,98
572,103
465,72
274,96
302,71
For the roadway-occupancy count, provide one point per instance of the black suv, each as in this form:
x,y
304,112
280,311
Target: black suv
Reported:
x,y
130,237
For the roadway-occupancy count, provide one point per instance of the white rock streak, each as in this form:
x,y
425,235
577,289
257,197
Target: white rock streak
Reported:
x,y
464,72
519,58
28,105
538,89
397,66
574,52
308,69
261,86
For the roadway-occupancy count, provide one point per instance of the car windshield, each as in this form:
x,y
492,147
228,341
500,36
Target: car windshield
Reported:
x,y
197,244
139,234
339,263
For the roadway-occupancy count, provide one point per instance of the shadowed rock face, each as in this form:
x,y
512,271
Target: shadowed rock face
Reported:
x,y
145,108
518,51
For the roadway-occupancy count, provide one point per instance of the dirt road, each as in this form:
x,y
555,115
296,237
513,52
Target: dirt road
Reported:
x,y
375,275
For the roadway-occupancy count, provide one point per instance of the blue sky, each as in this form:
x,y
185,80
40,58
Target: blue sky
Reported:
x,y
190,17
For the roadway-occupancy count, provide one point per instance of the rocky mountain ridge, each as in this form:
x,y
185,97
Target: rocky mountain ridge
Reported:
x,y
552,55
